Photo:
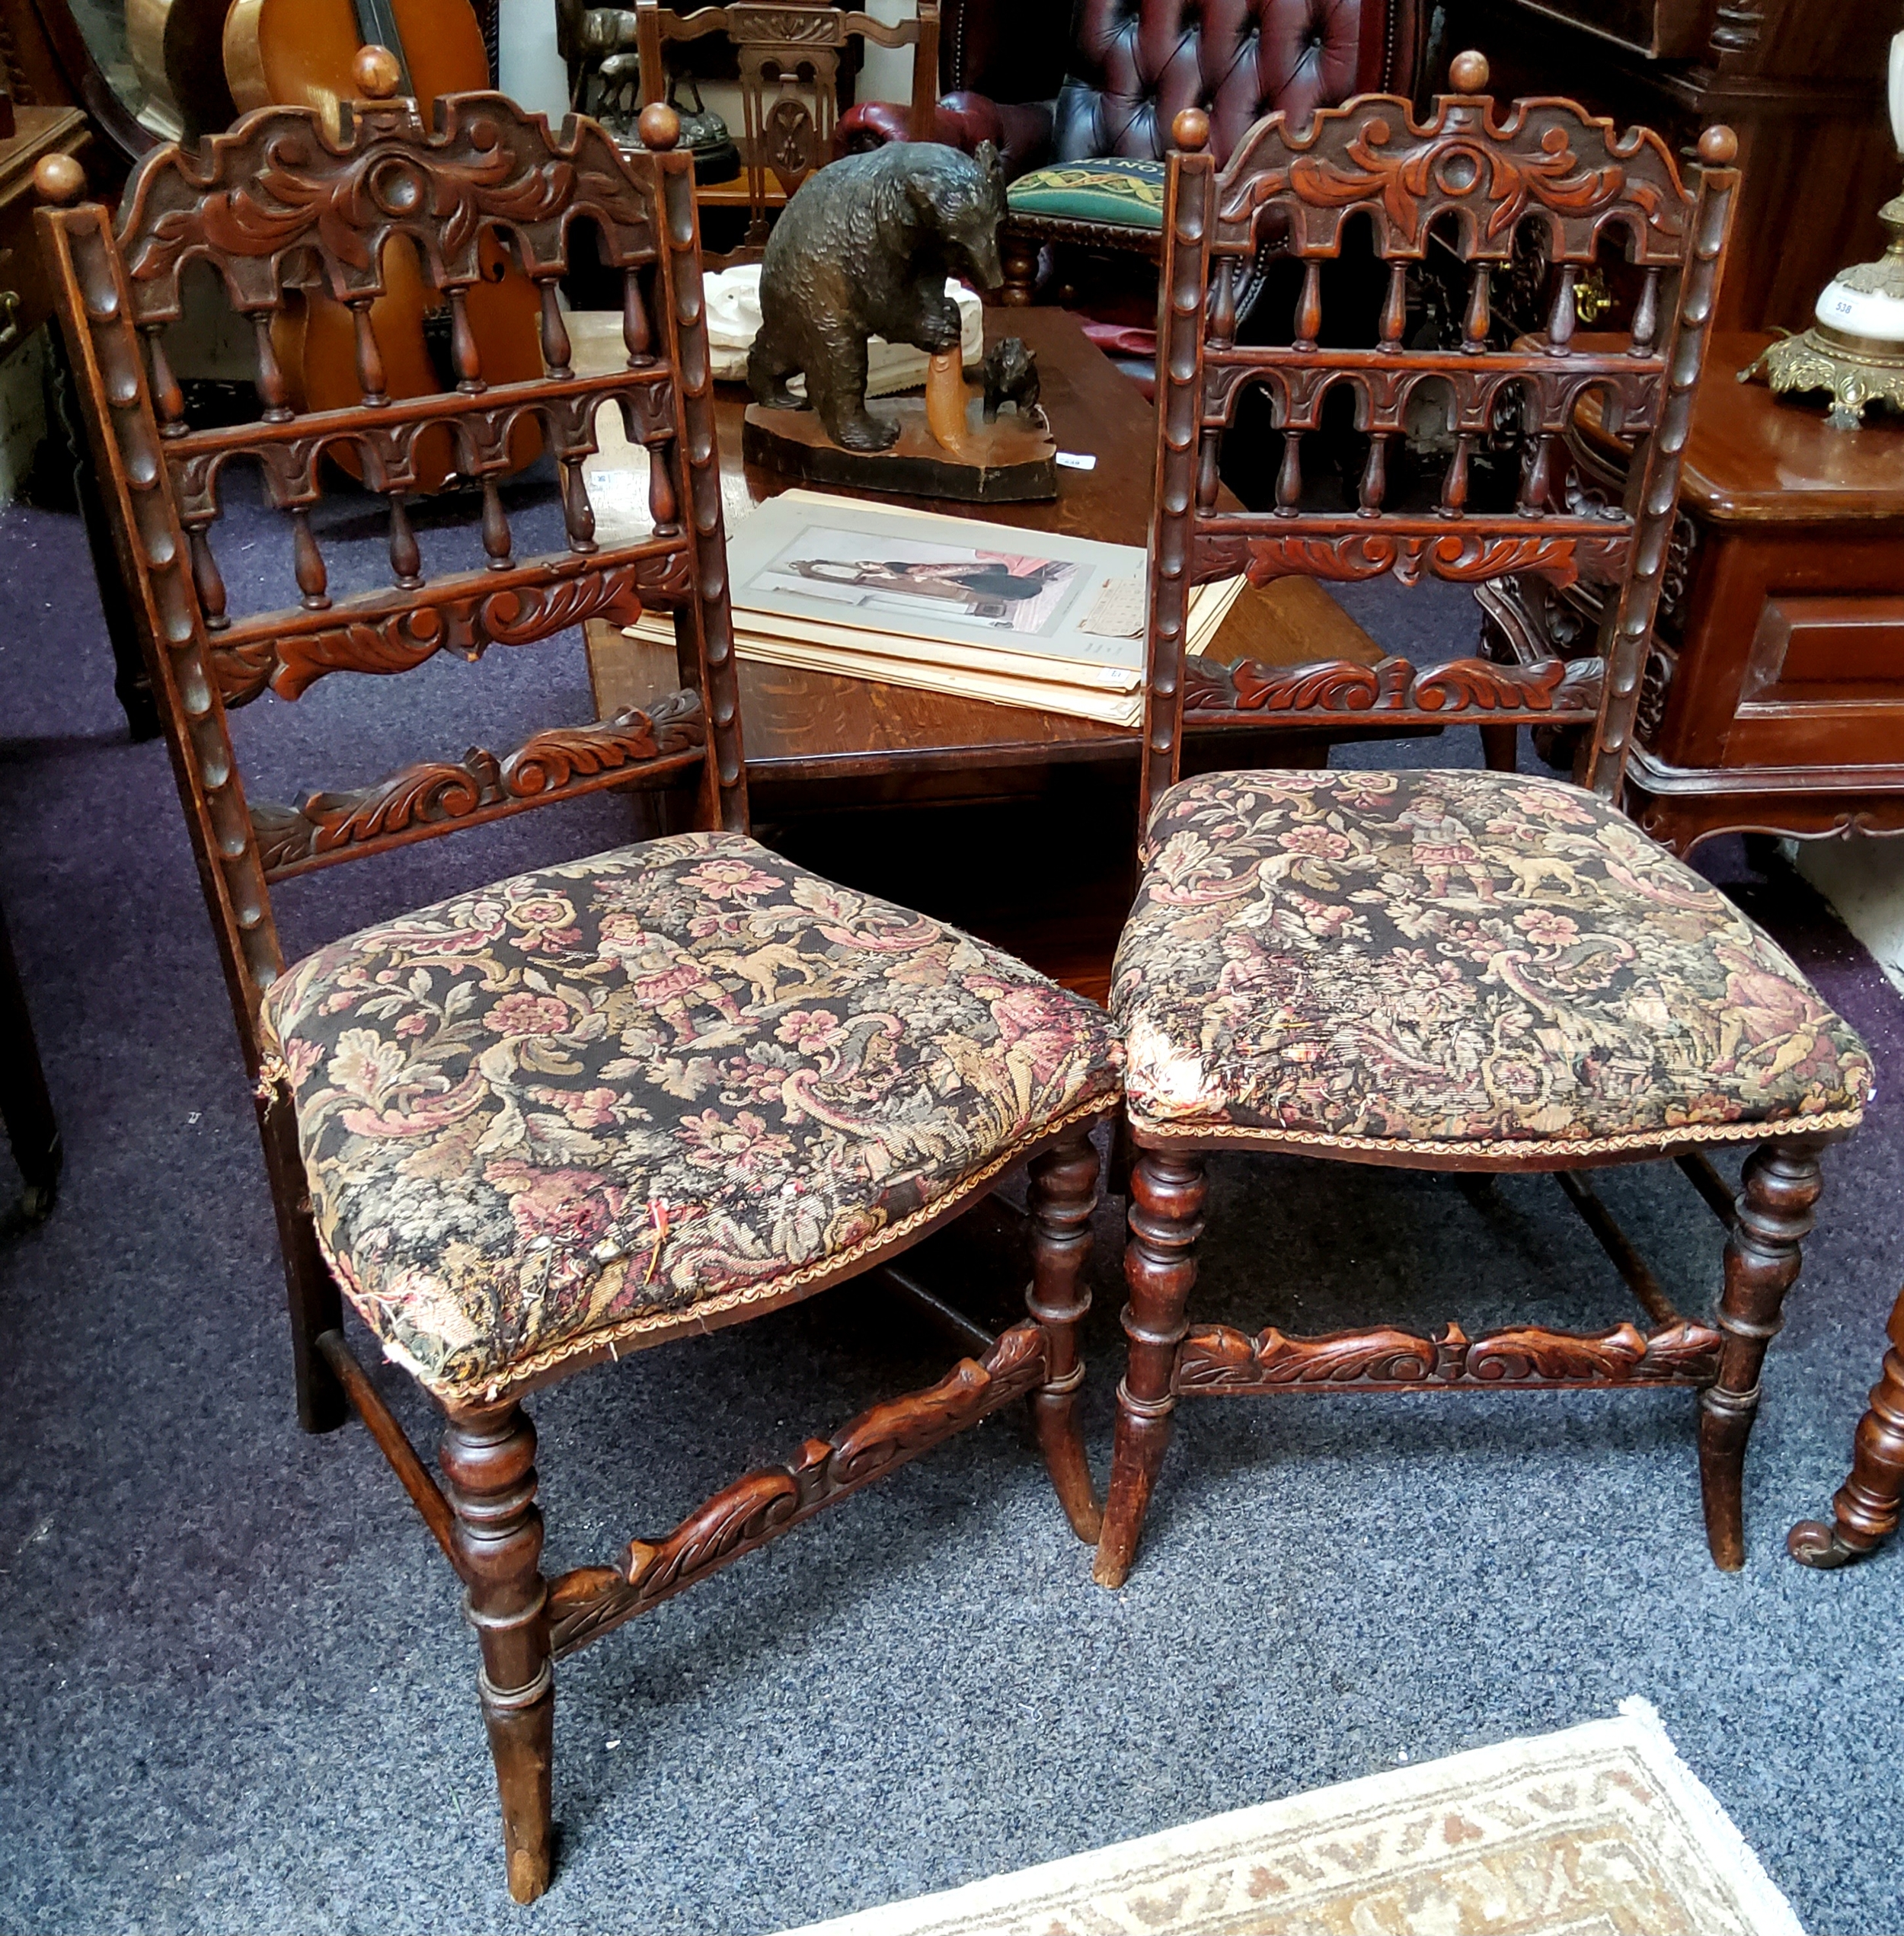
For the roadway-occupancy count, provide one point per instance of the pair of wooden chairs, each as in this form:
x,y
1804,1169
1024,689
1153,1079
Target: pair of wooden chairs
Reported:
x,y
589,1109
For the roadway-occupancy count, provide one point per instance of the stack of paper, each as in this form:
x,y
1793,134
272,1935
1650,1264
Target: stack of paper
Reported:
x,y
882,591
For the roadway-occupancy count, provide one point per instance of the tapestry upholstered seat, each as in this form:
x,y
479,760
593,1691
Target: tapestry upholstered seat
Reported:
x,y
1454,958
554,1112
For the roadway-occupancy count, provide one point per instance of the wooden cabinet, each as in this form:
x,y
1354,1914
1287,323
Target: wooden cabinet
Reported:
x,y
1800,81
26,295
1774,699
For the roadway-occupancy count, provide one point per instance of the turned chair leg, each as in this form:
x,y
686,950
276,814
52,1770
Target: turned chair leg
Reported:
x,y
1865,1510
316,1305
1160,1267
1018,257
1063,1196
1781,1186
488,1459
1500,747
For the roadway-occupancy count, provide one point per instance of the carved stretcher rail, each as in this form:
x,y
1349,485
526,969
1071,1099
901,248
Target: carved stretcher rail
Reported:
x,y
288,452
1218,1359
1394,688
1385,383
421,799
590,1601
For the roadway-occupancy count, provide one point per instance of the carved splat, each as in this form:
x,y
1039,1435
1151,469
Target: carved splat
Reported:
x,y
1463,686
588,1602
1218,1359
567,761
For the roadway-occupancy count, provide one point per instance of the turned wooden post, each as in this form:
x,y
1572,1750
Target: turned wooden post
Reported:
x,y
488,1459
1018,254
1063,1196
1160,1267
1865,1510
1780,1187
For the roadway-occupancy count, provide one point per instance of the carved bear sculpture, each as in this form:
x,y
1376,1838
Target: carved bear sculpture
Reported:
x,y
1011,377
863,249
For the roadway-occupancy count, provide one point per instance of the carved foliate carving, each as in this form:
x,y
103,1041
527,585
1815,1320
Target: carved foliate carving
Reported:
x,y
1218,1360
1395,685
564,760
755,1508
1546,159
394,640
790,142
1465,555
277,187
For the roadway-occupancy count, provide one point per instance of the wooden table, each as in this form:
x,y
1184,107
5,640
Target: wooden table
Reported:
x,y
836,740
1018,826
1773,701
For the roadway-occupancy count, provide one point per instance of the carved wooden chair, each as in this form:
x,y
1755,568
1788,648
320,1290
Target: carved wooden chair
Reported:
x,y
1469,971
589,1109
789,56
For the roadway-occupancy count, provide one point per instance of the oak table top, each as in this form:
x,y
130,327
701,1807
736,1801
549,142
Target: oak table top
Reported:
x,y
810,726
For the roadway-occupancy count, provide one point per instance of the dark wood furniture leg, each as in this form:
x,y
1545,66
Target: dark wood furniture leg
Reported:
x,y
25,1106
316,1305
1167,1191
1780,1188
488,1459
1864,1512
1500,747
1062,1197
131,682
1019,256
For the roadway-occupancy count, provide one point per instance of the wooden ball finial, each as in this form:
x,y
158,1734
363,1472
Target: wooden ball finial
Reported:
x,y
659,126
59,179
377,73
1718,147
1468,72
1190,131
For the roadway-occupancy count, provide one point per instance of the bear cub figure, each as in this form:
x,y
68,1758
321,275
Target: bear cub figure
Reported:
x,y
863,249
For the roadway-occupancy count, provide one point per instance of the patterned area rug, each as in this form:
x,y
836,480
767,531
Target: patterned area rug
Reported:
x,y
1600,1830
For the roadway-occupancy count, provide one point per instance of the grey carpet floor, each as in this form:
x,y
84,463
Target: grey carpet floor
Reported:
x,y
235,1691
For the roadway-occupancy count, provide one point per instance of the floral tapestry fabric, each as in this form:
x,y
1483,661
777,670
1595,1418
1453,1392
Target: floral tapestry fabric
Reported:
x,y
1460,957
587,1097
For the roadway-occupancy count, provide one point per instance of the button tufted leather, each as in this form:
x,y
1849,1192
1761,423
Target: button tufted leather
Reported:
x,y
1135,66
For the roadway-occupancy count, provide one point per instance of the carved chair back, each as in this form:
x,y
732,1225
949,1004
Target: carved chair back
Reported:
x,y
1410,504
789,56
276,206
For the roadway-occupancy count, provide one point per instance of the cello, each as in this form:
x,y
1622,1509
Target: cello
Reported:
x,y
300,53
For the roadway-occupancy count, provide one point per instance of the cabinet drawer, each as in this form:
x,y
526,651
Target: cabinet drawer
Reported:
x,y
1824,683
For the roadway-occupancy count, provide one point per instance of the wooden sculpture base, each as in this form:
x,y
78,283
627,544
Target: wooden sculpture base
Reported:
x,y
1010,461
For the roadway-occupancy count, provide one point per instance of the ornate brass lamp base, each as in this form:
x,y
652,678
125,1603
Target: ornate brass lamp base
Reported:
x,y
1858,370
1855,350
